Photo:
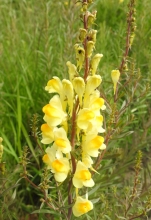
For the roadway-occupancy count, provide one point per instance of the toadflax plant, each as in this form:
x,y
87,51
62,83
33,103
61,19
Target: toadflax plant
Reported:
x,y
73,119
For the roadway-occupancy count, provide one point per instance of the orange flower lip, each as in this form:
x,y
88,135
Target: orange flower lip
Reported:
x,y
57,166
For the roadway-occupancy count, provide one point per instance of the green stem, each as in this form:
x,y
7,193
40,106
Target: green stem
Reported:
x,y
127,47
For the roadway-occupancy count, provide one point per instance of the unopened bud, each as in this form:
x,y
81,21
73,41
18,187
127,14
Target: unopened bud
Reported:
x,y
84,6
82,34
90,19
90,47
115,75
92,35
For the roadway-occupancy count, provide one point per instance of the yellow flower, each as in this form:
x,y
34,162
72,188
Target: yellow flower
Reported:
x,y
61,141
82,176
80,55
94,102
92,35
79,87
54,114
47,134
58,164
72,70
54,85
81,206
90,19
95,62
92,144
82,34
92,83
115,74
90,47
85,117
68,94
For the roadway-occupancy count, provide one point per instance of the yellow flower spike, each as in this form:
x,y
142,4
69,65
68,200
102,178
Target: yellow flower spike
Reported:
x,y
115,74
79,87
82,176
47,134
94,63
80,55
82,34
54,85
81,206
68,92
61,141
92,35
90,47
54,114
72,70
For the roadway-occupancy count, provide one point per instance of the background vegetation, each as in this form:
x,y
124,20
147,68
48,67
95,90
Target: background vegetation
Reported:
x,y
36,40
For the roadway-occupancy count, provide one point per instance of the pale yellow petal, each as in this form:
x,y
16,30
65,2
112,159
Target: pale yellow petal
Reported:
x,y
54,85
79,87
81,206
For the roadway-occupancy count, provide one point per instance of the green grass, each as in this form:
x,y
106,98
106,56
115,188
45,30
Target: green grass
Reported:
x,y
36,41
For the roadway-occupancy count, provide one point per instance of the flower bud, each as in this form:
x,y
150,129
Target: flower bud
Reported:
x,y
84,6
90,47
79,87
82,34
95,62
115,74
80,55
92,35
72,70
90,20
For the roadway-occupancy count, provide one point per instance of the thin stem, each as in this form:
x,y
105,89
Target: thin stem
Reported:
x,y
136,216
69,199
73,135
99,159
127,48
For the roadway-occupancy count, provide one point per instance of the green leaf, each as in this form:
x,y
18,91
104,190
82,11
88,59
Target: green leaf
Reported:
x,y
48,211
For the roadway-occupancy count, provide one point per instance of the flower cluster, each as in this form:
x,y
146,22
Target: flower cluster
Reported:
x,y
73,119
